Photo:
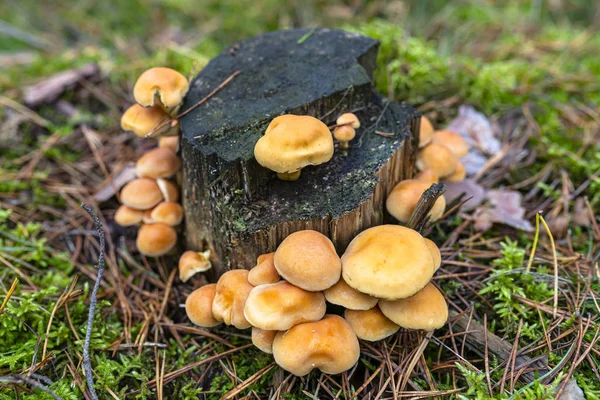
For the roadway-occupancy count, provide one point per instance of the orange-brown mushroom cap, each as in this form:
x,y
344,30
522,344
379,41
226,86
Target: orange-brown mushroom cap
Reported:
x,y
160,86
279,306
370,325
192,262
344,134
426,132
348,118
169,190
232,291
263,339
198,306
435,253
453,141
427,176
308,260
142,120
346,296
329,345
127,216
437,158
426,310
167,212
264,272
160,162
403,199
155,240
459,174
141,194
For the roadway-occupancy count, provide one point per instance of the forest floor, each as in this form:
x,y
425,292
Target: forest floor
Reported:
x,y
529,67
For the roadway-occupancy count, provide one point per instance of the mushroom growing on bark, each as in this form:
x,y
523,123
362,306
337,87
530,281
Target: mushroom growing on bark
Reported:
x,y
198,306
403,199
163,87
343,295
452,141
192,262
264,272
141,194
426,132
370,325
344,134
167,212
143,120
232,291
263,339
438,159
127,216
155,240
160,162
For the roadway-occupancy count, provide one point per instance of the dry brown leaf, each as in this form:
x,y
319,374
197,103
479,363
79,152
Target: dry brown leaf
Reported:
x,y
470,188
504,207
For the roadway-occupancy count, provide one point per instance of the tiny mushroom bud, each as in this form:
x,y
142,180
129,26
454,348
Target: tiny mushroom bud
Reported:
x,y
163,87
141,194
459,174
160,162
425,310
143,120
292,142
232,291
329,345
169,190
263,339
264,272
348,118
453,141
192,262
308,260
155,240
198,306
435,253
344,134
426,132
167,212
343,295
403,199
437,158
388,261
169,142
370,325
427,176
279,306
127,216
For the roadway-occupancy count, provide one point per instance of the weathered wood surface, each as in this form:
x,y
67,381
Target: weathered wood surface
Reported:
x,y
240,210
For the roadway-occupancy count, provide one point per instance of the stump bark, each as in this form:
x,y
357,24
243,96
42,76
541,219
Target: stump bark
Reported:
x,y
239,209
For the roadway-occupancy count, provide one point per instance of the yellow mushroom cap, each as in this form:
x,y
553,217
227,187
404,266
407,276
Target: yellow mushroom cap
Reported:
x,y
198,306
127,216
291,142
142,120
370,325
169,190
403,199
426,132
263,339
163,84
169,142
264,272
388,261
344,133
343,295
308,260
192,262
425,310
141,194
347,118
435,253
232,291
155,240
160,162
427,176
453,141
167,212
279,306
329,345
459,174
437,158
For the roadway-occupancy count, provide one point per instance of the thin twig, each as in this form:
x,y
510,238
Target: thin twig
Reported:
x,y
420,216
29,381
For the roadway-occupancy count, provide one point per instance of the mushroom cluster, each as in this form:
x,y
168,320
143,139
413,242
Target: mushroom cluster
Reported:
x,y
381,282
151,200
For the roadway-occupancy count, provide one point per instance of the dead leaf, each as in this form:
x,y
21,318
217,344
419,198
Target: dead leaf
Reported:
x,y
476,129
108,190
504,207
469,188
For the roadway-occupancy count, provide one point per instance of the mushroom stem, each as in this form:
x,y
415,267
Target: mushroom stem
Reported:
x,y
343,144
289,176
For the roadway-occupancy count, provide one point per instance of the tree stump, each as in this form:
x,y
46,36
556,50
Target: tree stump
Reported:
x,y
240,210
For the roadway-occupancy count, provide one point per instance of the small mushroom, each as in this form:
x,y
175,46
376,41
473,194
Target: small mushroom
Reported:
x,y
155,240
167,212
163,87
348,118
344,134
232,291
160,162
438,159
426,310
279,306
370,325
435,253
388,261
453,141
329,345
292,142
308,260
127,216
198,306
343,295
403,199
169,190
263,339
425,132
143,120
192,262
264,272
141,194
459,174
427,176
169,142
